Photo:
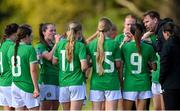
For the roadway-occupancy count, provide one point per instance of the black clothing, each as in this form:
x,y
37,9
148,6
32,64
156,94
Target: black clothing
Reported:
x,y
171,99
170,65
170,74
160,39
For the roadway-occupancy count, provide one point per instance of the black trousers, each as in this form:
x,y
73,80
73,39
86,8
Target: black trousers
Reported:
x,y
171,99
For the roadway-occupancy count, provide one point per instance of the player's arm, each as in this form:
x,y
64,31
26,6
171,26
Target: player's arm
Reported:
x,y
34,76
154,66
118,64
146,36
92,37
119,68
54,60
84,65
49,55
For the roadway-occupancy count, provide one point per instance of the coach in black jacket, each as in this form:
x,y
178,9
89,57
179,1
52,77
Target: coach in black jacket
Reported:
x,y
152,23
170,66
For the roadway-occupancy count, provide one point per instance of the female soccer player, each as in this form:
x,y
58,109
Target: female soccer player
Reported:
x,y
126,35
71,55
48,73
137,56
105,55
22,57
5,71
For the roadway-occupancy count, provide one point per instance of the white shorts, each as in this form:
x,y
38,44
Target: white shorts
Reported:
x,y
21,98
97,95
84,102
72,93
135,95
5,96
49,92
156,88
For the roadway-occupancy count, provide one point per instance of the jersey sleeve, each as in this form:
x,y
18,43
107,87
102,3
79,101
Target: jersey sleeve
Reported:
x,y
117,52
41,48
55,54
88,50
82,52
122,52
153,57
33,57
119,38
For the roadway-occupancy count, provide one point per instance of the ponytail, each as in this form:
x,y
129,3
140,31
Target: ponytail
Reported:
x,y
15,50
100,53
70,45
22,32
104,26
138,41
136,31
41,36
74,27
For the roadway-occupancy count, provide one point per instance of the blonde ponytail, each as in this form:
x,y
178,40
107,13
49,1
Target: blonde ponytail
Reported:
x,y
70,46
104,26
100,53
74,27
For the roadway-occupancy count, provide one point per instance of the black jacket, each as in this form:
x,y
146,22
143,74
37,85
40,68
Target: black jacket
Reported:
x,y
170,65
160,39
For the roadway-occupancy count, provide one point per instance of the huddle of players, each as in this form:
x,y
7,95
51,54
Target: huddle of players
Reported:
x,y
121,67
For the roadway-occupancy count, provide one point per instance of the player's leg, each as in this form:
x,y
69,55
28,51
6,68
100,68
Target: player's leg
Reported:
x,y
97,98
64,98
128,99
142,99
141,104
49,97
77,96
112,97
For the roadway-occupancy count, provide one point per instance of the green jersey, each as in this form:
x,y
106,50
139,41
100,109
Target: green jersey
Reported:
x,y
153,38
137,75
110,78
26,55
48,71
70,73
119,38
5,71
155,74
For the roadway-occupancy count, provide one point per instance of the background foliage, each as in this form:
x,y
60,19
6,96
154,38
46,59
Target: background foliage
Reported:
x,y
61,12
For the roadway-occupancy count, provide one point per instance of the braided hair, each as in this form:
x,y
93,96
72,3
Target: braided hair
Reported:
x,y
22,32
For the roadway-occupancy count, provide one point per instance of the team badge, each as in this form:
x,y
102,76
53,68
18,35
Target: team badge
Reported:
x,y
49,94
